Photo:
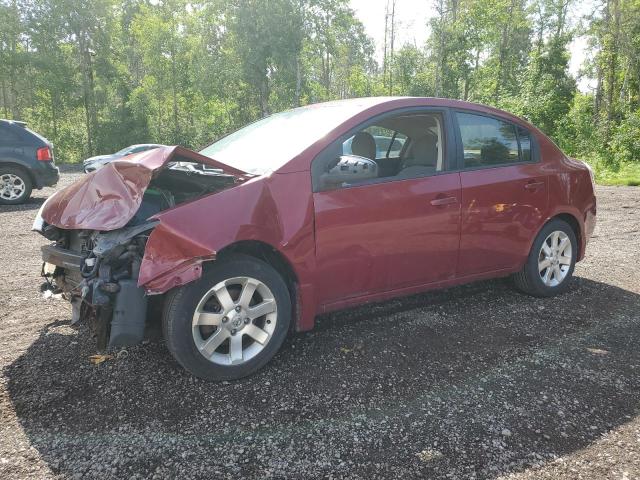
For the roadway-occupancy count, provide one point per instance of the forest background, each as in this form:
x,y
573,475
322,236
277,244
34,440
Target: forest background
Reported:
x,y
95,76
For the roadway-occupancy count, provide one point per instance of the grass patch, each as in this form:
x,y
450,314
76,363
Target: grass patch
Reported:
x,y
626,174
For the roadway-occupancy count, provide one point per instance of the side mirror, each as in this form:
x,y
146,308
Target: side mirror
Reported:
x,y
349,169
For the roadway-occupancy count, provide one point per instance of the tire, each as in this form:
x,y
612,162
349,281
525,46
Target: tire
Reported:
x,y
186,341
531,279
19,177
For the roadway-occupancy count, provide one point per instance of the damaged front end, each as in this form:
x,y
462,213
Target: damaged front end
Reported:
x,y
99,227
97,272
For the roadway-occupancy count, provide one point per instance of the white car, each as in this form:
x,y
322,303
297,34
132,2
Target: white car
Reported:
x,y
94,163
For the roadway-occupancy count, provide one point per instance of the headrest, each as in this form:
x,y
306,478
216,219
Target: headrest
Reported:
x,y
364,145
424,152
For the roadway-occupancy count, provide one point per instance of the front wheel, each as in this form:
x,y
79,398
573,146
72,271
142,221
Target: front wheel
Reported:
x,y
549,267
231,321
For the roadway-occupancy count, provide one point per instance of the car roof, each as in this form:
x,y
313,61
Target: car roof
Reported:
x,y
13,122
368,102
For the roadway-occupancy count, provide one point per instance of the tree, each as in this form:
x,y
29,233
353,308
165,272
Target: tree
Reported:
x,y
94,76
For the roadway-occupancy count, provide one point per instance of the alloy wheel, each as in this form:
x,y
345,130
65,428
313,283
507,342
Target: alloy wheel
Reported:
x,y
12,187
554,258
234,321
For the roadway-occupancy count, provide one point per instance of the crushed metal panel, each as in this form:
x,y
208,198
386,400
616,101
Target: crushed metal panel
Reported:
x,y
108,198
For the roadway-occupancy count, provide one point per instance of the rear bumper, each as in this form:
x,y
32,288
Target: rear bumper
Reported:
x,y
45,174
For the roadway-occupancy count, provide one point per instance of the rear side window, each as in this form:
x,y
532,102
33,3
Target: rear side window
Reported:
x,y
8,137
488,141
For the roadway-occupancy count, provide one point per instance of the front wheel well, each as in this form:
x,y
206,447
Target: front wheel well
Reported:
x,y
273,257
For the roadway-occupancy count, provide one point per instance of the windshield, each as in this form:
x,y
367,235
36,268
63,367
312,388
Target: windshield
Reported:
x,y
268,144
123,152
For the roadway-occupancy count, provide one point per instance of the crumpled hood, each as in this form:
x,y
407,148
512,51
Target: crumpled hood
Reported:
x,y
108,198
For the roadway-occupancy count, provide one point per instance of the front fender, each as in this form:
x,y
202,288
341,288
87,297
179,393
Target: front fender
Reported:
x,y
276,210
171,259
193,233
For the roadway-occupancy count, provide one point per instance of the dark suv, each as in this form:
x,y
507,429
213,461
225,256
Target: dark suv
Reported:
x,y
26,162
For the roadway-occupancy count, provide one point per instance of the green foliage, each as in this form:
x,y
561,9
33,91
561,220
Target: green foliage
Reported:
x,y
625,141
547,90
576,133
96,75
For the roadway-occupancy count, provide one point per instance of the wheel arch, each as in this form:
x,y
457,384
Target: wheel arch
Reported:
x,y
573,221
271,255
21,166
575,226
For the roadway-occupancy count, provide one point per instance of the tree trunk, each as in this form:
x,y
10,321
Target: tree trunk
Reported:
x,y
440,54
298,81
393,36
54,116
384,54
5,105
88,90
174,90
613,62
503,54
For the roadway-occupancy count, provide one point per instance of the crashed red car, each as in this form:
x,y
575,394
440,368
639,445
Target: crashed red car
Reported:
x,y
308,211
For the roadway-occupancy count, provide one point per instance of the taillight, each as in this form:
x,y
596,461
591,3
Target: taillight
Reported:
x,y
44,154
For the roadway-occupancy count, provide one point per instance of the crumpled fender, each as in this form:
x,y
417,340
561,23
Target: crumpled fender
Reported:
x,y
195,232
109,197
171,259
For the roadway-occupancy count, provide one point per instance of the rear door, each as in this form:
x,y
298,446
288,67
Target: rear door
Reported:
x,y
504,193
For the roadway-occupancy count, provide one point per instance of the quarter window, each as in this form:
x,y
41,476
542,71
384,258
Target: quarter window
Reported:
x,y
524,137
487,141
7,137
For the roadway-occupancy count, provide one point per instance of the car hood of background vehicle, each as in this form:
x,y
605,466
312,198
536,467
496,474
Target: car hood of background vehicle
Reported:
x,y
108,198
98,158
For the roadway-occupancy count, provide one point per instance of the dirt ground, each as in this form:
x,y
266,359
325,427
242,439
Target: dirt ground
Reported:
x,y
472,382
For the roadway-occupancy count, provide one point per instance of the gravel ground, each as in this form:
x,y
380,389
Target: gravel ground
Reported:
x,y
477,381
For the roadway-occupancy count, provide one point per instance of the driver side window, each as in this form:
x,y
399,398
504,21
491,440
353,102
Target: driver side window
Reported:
x,y
397,147
388,143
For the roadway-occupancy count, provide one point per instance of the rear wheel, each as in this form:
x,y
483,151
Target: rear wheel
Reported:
x,y
549,267
15,185
229,323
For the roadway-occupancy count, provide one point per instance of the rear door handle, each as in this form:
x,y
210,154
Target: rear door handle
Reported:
x,y
534,185
440,201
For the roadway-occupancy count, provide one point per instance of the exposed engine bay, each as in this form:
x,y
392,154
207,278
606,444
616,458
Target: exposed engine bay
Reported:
x,y
179,183
97,271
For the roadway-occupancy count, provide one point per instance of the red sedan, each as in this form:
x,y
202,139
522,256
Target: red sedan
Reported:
x,y
308,211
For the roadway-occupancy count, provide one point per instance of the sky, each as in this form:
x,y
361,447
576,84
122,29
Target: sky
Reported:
x,y
411,25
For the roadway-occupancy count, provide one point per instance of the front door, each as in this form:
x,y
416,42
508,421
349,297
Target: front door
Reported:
x,y
399,230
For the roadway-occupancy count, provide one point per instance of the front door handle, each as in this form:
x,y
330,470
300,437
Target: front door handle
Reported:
x,y
534,185
440,201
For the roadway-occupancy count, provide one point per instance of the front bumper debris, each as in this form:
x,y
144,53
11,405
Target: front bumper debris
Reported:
x,y
99,278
